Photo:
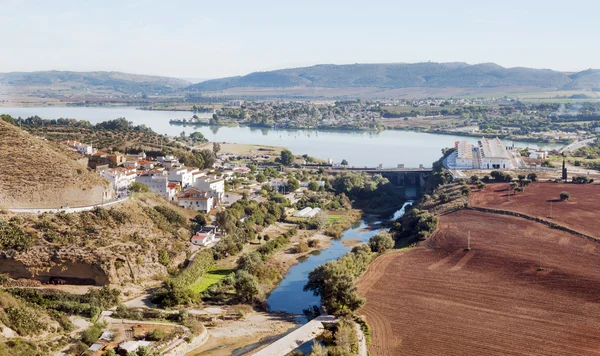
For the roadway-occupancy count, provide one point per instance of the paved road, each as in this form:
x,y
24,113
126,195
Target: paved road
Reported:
x,y
576,145
301,335
67,210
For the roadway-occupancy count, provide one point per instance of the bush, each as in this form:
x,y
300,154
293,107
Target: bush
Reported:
x,y
24,320
250,262
246,286
92,334
156,335
301,247
381,242
565,196
171,215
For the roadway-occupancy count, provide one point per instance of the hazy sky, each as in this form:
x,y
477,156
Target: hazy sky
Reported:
x,y
210,39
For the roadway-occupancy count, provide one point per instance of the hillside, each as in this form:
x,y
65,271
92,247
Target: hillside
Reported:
x,y
404,75
39,174
113,245
96,81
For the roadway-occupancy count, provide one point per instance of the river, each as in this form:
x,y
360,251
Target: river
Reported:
x,y
289,297
359,148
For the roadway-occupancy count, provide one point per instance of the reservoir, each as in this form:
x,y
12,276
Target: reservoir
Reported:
x,y
359,148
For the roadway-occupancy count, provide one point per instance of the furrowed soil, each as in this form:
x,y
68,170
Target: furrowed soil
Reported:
x,y
579,213
522,289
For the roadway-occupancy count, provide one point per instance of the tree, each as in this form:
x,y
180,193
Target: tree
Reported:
x,y
246,286
260,178
480,185
321,219
250,262
312,185
199,221
137,187
533,177
225,221
381,242
565,196
344,162
513,185
287,157
293,184
216,147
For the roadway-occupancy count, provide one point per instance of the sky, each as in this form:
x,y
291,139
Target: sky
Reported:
x,y
212,39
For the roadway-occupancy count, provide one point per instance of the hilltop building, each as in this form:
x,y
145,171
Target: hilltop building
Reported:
x,y
464,155
492,154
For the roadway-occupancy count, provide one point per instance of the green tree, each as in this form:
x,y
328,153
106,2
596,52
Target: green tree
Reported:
x,y
287,157
137,187
250,262
216,147
344,162
312,185
565,196
260,178
293,185
381,242
246,286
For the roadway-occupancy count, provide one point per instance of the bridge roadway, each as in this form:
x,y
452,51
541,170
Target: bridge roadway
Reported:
x,y
297,337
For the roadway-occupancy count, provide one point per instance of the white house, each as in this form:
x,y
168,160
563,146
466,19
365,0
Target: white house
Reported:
x,y
204,237
182,175
533,154
212,184
130,164
197,200
156,180
120,178
146,164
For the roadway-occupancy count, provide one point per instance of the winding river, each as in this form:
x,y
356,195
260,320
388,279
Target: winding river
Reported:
x,y
359,148
289,297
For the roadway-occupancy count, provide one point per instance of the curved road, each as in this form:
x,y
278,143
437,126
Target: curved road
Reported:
x,y
576,145
66,210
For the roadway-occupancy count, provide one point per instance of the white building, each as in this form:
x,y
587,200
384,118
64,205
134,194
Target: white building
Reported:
x,y
492,154
182,175
157,181
533,154
212,184
204,237
464,155
120,178
197,200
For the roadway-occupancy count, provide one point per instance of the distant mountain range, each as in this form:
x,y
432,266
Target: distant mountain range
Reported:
x,y
393,79
113,81
404,75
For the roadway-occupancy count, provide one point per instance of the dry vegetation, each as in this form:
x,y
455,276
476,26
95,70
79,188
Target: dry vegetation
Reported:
x,y
39,174
130,242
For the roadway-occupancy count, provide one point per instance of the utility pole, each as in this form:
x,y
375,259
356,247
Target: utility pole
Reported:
x,y
469,241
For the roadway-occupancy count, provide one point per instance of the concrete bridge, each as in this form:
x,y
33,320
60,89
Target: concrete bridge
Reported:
x,y
414,177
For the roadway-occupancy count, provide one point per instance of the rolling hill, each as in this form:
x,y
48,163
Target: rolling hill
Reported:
x,y
404,75
113,81
40,174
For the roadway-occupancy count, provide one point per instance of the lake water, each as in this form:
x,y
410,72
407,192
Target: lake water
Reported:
x,y
289,297
359,148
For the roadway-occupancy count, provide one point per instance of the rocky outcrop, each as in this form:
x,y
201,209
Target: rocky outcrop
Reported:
x,y
118,264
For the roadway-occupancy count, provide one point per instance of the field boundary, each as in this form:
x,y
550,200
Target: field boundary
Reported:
x,y
550,224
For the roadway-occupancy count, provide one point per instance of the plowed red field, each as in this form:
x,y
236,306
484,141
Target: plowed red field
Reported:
x,y
522,289
581,212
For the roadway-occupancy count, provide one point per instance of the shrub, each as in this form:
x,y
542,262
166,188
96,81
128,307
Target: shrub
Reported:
x,y
24,320
156,335
250,262
92,334
137,187
565,196
171,215
301,247
246,286
381,242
